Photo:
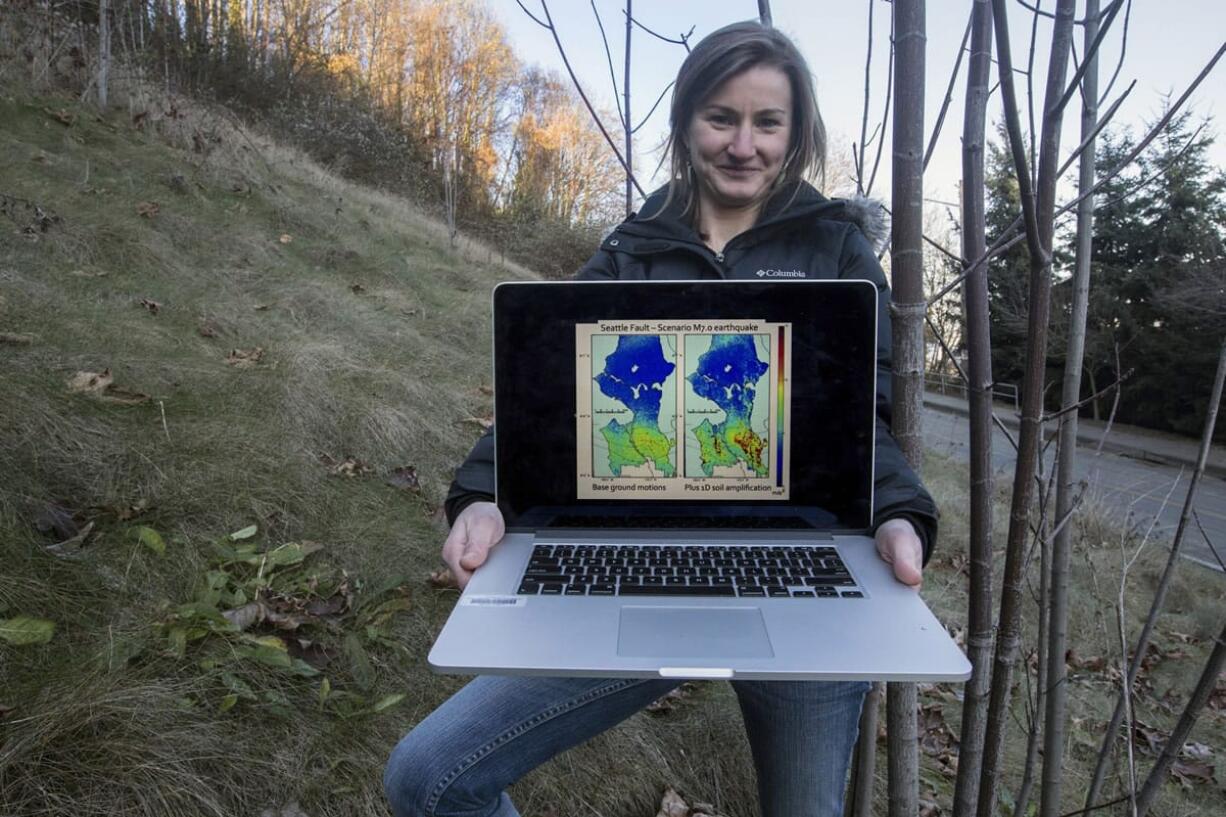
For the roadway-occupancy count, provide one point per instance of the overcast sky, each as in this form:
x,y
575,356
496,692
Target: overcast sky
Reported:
x,y
1169,41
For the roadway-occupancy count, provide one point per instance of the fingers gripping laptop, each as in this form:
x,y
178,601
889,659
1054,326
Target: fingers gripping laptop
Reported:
x,y
685,472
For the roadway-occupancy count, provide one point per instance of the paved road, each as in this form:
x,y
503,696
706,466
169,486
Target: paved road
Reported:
x,y
1129,486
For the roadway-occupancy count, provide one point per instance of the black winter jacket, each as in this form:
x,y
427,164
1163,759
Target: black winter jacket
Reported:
x,y
798,236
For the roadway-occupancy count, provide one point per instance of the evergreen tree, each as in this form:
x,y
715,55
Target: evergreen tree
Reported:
x,y
1155,291
1008,273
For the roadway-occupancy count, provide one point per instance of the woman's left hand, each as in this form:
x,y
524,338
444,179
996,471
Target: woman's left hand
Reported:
x,y
899,545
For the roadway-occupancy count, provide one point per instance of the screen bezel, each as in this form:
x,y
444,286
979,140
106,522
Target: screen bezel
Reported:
x,y
542,315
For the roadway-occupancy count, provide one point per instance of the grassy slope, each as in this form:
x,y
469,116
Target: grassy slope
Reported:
x,y
106,719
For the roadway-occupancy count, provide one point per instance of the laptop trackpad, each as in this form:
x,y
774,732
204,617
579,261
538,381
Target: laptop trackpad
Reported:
x,y
693,632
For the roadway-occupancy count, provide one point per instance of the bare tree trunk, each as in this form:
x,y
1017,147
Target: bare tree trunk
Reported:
x,y
979,396
450,193
907,267
764,12
864,763
104,51
1204,688
626,114
1035,733
1039,214
1057,627
1163,583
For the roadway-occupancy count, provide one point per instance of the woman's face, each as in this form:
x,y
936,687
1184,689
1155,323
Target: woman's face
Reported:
x,y
738,138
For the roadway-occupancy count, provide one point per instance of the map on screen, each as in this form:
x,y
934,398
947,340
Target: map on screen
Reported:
x,y
682,409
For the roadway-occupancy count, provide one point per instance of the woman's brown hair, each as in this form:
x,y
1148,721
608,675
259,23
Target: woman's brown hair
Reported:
x,y
722,55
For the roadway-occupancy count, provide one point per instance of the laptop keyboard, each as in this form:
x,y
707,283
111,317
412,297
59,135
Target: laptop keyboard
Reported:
x,y
812,571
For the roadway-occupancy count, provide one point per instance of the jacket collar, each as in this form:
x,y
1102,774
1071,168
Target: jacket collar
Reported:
x,y
801,202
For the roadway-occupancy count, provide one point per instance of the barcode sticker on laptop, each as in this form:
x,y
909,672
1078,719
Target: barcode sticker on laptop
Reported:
x,y
494,601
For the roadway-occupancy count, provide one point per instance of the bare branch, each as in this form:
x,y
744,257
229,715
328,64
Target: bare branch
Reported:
x,y
1075,82
1160,173
1034,39
1123,51
1037,209
1154,131
1174,744
868,64
1102,123
578,87
1035,8
957,259
629,132
885,117
1208,541
684,41
1107,804
1009,237
653,107
1163,583
535,19
1057,415
621,116
949,93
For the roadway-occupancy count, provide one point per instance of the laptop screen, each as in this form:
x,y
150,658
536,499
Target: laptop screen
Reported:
x,y
685,403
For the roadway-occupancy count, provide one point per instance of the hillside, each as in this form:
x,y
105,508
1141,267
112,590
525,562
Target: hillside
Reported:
x,y
279,344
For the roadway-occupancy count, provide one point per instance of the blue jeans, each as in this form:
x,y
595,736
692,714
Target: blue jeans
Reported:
x,y
461,758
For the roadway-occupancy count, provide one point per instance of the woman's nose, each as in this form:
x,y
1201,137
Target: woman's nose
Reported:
x,y
741,146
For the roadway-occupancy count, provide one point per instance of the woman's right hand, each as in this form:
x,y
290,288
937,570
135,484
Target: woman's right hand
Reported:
x,y
477,529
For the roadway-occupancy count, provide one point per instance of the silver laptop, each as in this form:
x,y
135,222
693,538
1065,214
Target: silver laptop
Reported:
x,y
686,473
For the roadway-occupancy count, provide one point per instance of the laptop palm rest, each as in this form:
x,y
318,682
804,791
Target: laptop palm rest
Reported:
x,y
693,632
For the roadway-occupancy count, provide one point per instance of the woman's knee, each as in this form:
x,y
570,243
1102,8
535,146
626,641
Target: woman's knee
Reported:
x,y
413,772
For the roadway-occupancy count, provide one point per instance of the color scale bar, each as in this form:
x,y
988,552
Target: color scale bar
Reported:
x,y
779,430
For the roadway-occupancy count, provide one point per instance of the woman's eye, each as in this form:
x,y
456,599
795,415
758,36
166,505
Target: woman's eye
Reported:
x,y
770,123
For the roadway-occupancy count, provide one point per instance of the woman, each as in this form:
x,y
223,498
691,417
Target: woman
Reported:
x,y
745,131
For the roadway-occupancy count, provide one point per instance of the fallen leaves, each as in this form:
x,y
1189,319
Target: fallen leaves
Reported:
x,y
348,467
937,740
1194,763
70,547
16,339
1096,663
285,238
147,209
1217,698
99,385
150,304
245,358
405,478
207,329
288,613
61,115
1191,772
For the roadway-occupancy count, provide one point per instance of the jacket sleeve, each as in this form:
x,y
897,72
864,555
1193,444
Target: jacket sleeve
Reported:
x,y
897,490
474,479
